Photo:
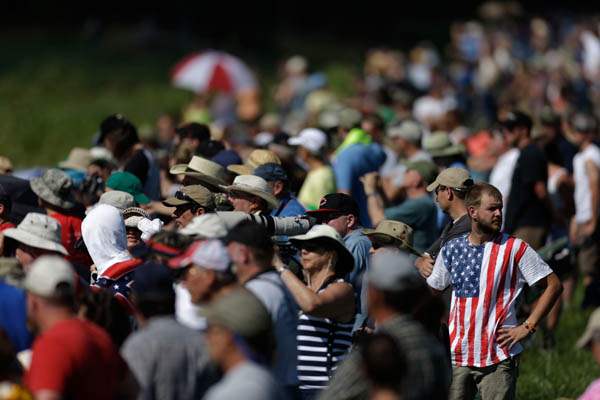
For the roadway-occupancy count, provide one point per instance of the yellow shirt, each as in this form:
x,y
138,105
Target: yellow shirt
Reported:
x,y
317,184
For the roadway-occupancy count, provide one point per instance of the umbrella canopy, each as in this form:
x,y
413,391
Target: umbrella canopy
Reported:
x,y
213,71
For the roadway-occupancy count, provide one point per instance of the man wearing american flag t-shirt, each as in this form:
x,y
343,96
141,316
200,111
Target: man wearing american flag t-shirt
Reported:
x,y
487,271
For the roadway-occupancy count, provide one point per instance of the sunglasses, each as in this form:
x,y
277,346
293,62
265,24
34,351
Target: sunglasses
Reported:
x,y
311,247
179,195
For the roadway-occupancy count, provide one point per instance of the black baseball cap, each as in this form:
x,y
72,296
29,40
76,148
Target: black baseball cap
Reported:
x,y
250,234
516,119
152,280
336,203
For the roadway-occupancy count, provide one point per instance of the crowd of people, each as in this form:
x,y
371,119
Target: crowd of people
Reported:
x,y
403,243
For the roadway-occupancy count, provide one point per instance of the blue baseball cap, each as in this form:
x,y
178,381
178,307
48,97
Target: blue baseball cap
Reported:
x,y
271,172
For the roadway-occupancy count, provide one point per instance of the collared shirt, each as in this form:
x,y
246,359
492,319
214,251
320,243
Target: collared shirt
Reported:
x,y
289,206
168,360
359,245
427,369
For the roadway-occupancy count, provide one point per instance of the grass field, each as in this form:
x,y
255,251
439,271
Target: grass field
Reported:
x,y
55,90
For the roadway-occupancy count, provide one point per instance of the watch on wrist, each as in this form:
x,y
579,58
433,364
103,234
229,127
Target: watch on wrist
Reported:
x,y
529,326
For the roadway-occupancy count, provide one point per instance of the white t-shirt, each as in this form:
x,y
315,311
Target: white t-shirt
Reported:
x,y
502,174
583,196
186,312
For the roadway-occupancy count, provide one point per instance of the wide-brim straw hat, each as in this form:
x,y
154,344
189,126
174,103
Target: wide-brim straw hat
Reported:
x,y
256,158
254,185
79,159
329,236
203,170
54,187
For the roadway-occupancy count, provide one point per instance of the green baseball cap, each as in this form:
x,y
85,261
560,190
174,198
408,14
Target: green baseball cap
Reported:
x,y
128,183
426,169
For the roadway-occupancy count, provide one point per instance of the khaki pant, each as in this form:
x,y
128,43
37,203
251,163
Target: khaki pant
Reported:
x,y
588,259
532,235
496,382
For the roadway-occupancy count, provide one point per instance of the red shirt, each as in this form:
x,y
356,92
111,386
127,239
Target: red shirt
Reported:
x,y
77,359
70,233
6,225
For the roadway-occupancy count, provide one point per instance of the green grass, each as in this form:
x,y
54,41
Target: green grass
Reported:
x,y
563,372
55,90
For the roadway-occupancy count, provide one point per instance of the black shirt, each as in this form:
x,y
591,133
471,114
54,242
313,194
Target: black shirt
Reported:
x,y
450,231
524,208
138,165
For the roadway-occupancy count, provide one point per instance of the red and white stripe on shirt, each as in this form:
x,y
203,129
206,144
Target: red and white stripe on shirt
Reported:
x,y
486,281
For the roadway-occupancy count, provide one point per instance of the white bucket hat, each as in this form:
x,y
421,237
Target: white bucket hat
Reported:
x,y
326,234
254,185
39,231
203,170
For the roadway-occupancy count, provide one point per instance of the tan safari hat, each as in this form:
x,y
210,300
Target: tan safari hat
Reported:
x,y
392,233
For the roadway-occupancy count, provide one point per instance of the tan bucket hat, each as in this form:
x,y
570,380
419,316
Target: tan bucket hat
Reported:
x,y
256,158
55,188
78,159
254,185
325,233
203,170
39,231
392,233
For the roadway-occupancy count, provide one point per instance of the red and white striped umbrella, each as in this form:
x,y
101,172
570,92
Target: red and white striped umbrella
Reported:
x,y
213,71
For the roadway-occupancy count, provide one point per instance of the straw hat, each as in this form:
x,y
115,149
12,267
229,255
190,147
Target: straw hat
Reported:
x,y
203,170
326,234
133,215
256,158
54,187
254,185
392,233
39,231
78,159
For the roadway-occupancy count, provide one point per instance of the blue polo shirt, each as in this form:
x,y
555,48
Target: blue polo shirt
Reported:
x,y
13,316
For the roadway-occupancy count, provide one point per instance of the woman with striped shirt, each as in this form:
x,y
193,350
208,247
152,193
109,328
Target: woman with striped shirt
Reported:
x,y
327,306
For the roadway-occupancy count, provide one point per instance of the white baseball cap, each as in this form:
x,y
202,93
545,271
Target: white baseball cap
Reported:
x,y
206,226
209,254
46,273
312,139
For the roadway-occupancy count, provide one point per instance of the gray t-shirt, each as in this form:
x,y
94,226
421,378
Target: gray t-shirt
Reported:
x,y
283,310
168,360
247,381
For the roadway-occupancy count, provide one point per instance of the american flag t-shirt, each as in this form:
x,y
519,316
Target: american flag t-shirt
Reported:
x,y
486,281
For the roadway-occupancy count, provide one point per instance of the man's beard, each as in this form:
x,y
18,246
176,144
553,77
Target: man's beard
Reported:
x,y
490,228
